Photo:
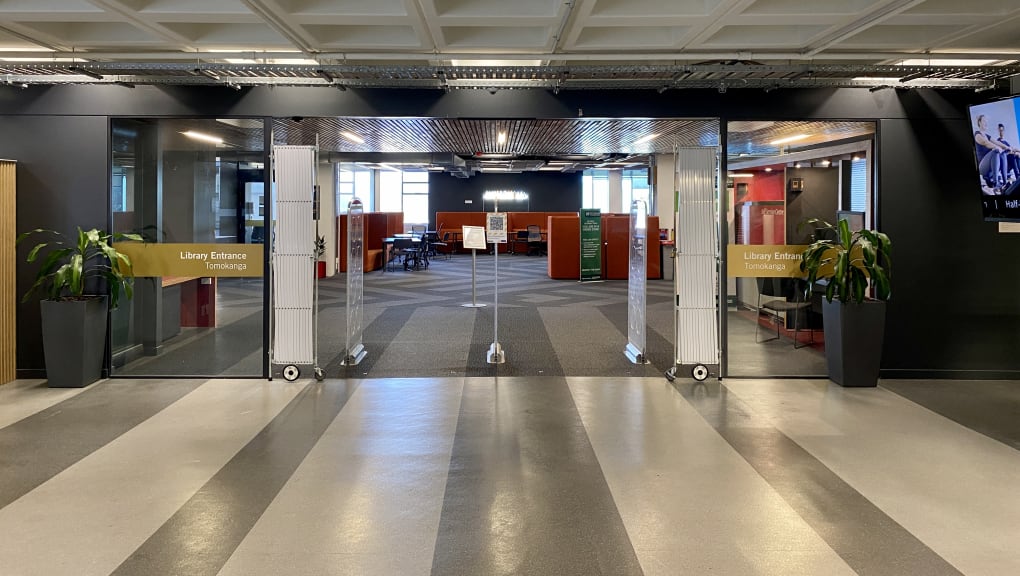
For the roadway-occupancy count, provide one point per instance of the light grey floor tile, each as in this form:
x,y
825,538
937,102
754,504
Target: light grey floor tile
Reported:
x,y
951,487
367,498
90,517
23,398
686,497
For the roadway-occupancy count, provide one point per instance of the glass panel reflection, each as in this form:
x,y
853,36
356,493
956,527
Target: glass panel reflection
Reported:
x,y
782,174
201,183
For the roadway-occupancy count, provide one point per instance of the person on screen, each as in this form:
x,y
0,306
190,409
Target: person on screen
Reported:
x,y
1011,158
989,155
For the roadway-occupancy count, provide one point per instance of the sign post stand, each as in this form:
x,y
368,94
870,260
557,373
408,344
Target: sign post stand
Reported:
x,y
474,238
495,232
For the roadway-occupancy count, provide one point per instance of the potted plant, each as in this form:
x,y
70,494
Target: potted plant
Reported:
x,y
320,250
848,264
74,279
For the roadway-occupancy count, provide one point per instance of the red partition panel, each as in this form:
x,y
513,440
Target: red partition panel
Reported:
x,y
564,247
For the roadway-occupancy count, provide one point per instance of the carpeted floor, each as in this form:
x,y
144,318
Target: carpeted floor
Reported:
x,y
415,325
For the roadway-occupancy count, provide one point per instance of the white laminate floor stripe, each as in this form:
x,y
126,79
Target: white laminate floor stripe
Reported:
x,y
22,398
690,502
953,488
90,517
367,499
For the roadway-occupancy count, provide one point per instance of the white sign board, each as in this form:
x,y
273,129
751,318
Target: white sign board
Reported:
x,y
474,237
495,227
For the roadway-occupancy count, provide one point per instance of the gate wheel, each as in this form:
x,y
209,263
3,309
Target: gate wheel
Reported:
x,y
699,372
291,373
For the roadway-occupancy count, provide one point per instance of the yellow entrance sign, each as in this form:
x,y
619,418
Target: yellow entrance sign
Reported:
x,y
764,261
193,259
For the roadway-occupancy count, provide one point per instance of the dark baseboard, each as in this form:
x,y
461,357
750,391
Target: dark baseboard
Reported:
x,y
951,374
31,373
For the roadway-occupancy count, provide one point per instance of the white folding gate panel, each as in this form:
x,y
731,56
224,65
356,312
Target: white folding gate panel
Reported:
x,y
293,243
696,274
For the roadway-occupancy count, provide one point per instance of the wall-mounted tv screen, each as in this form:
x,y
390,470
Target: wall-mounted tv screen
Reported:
x,y
996,136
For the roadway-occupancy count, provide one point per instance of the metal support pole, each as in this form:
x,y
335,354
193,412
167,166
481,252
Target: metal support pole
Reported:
x,y
495,355
474,303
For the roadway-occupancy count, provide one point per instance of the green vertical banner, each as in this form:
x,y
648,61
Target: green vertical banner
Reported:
x,y
591,244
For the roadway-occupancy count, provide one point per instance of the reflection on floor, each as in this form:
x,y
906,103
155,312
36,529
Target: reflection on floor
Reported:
x,y
232,348
567,476
415,325
775,358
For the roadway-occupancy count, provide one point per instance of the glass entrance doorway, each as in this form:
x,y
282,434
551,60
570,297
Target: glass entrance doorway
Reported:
x,y
780,176
195,189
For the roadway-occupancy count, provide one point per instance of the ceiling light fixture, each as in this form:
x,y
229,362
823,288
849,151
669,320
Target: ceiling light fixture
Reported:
x,y
203,137
768,169
741,175
788,139
352,137
644,139
501,138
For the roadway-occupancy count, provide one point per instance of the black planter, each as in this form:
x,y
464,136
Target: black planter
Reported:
x,y
74,340
853,341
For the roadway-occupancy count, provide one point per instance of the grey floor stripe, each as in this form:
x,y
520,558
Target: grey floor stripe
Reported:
x,y
525,493
867,539
199,539
990,407
39,447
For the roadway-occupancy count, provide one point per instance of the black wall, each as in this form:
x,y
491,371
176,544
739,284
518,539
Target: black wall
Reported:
x,y
547,192
62,184
955,311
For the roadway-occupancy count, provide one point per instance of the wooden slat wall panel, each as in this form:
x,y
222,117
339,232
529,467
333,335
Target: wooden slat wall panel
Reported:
x,y
8,273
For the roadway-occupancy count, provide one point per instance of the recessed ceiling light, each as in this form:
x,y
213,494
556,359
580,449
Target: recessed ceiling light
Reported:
x,y
826,162
353,137
768,169
203,137
501,138
788,139
741,175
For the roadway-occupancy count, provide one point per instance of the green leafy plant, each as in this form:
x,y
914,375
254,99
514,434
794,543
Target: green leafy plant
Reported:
x,y
67,267
848,262
320,246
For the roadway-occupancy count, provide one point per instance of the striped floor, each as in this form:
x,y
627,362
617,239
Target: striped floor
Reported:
x,y
509,475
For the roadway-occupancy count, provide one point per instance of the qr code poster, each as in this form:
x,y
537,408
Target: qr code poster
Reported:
x,y
495,227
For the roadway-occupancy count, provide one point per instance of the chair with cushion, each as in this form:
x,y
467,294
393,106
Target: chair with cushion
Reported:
x,y
779,299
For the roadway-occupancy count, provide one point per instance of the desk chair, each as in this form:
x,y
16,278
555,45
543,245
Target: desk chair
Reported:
x,y
521,237
418,230
788,297
405,250
535,244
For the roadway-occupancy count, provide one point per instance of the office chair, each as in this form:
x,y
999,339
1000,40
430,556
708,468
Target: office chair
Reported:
x,y
418,230
520,238
787,296
535,244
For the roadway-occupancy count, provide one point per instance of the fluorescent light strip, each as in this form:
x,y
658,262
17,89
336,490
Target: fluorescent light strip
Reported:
x,y
353,137
501,138
788,139
203,137
741,175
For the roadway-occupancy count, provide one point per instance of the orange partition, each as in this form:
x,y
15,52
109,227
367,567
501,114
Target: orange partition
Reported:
x,y
564,247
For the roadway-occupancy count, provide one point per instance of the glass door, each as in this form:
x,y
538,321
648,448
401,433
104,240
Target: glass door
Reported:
x,y
195,190
780,176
